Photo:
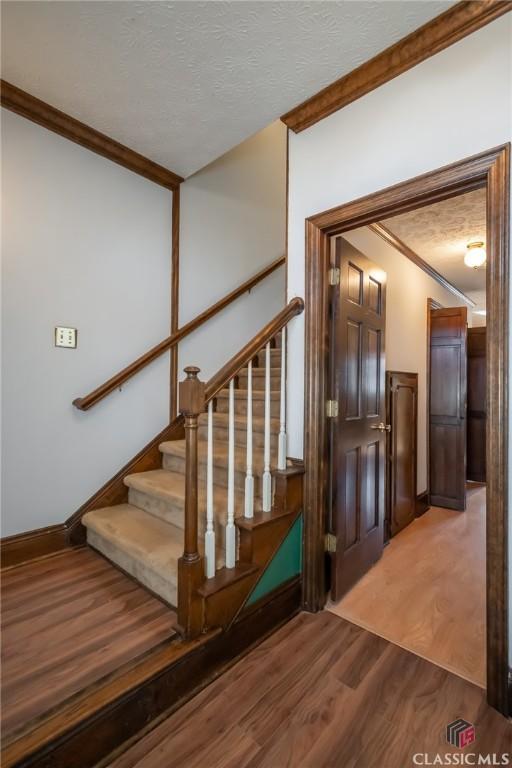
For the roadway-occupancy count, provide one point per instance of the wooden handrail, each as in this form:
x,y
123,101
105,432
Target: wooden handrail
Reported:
x,y
240,360
86,402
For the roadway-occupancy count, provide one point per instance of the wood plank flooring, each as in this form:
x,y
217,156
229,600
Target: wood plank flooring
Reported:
x,y
321,692
67,621
427,593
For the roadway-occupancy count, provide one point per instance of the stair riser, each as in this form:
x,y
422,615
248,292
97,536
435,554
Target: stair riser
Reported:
x,y
221,433
166,588
275,358
167,510
172,512
258,407
220,473
258,382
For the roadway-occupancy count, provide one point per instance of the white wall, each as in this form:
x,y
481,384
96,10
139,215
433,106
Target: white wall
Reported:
x,y
233,223
85,243
455,104
407,291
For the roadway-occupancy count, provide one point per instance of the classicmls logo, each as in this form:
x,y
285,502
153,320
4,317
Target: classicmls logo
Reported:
x,y
460,733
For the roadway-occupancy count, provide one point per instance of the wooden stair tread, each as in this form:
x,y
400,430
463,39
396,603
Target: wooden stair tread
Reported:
x,y
225,577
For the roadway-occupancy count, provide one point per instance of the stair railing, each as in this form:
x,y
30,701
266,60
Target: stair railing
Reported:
x,y
196,398
115,382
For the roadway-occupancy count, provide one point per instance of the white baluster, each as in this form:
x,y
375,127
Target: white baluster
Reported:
x,y
230,525
267,478
209,539
281,451
249,479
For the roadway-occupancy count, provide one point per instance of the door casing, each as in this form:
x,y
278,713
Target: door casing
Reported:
x,y
490,170
407,380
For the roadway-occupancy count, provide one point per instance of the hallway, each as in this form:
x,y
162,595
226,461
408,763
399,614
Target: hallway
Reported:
x,y
427,593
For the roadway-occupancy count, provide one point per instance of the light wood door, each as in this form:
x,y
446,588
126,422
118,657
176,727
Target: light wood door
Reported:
x,y
402,416
447,418
358,436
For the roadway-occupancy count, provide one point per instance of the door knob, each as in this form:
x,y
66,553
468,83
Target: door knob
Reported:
x,y
381,427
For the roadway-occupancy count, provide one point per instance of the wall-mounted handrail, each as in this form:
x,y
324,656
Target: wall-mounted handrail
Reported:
x,y
86,402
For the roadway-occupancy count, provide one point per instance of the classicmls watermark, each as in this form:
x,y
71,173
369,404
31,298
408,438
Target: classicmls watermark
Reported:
x,y
461,734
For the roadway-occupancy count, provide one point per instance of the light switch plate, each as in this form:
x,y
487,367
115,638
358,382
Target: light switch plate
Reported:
x,y
65,337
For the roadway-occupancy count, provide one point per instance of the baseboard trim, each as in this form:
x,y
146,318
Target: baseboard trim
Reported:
x,y
109,726
30,545
422,503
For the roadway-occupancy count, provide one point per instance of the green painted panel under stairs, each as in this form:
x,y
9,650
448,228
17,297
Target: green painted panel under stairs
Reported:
x,y
68,621
318,693
145,536
286,563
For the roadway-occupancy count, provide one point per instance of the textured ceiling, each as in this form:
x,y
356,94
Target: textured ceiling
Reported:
x,y
183,82
439,234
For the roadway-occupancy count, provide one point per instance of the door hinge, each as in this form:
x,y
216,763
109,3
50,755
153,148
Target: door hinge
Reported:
x,y
330,542
334,276
331,408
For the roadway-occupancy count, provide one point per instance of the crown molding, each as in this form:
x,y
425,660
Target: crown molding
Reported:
x,y
53,119
457,22
390,238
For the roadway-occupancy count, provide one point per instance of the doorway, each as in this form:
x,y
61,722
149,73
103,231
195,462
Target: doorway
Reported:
x,y
490,171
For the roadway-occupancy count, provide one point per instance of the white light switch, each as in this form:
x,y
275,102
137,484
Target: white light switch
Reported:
x,y
65,337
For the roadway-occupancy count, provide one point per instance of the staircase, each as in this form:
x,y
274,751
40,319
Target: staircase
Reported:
x,y
145,536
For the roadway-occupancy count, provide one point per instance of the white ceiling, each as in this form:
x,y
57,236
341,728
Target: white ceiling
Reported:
x,y
439,233
183,82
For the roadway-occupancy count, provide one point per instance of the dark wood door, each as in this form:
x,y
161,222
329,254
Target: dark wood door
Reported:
x,y
402,416
477,405
447,418
358,445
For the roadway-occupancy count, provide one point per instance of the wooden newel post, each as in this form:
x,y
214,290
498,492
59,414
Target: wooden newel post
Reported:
x,y
191,564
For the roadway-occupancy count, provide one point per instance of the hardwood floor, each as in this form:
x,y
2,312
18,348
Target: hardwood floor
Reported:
x,y
321,692
67,621
427,593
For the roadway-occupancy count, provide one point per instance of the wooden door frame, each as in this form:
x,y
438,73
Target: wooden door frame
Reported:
x,y
431,304
490,169
389,464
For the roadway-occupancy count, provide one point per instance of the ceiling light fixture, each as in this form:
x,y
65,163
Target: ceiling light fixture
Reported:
x,y
475,256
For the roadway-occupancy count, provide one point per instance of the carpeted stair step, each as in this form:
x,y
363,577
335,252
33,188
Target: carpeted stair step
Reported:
x,y
174,461
162,494
258,379
142,545
221,424
275,359
258,403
